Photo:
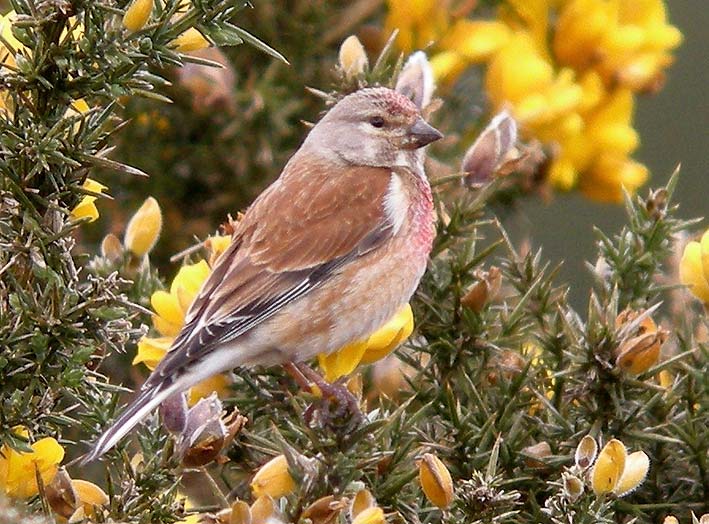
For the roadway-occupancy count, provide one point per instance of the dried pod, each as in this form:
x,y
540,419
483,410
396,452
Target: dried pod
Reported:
x,y
204,434
536,454
436,481
60,494
641,349
325,510
586,452
573,486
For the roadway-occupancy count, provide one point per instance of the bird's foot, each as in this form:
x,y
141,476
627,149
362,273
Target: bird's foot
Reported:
x,y
337,405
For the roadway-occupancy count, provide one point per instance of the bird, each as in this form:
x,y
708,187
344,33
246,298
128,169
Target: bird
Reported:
x,y
323,257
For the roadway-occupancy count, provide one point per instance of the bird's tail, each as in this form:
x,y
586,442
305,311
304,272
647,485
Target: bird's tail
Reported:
x,y
147,401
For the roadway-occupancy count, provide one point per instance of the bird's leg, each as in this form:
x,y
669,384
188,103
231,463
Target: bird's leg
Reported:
x,y
306,377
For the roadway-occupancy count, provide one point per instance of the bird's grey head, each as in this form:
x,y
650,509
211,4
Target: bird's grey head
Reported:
x,y
372,127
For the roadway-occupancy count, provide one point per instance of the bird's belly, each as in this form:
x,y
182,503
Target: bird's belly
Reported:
x,y
347,307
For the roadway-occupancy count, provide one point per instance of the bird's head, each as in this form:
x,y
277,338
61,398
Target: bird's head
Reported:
x,y
372,127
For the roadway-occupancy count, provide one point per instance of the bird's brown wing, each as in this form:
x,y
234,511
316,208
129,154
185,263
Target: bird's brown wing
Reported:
x,y
294,236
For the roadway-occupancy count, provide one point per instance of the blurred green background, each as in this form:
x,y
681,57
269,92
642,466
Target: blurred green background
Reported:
x,y
674,128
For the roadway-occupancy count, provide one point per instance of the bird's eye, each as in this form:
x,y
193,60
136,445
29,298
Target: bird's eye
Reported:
x,y
377,121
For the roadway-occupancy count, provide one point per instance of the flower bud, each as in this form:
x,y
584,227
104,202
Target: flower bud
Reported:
x,y
137,14
416,80
190,40
89,495
489,150
144,228
436,481
586,452
373,515
111,248
174,413
353,58
273,479
484,290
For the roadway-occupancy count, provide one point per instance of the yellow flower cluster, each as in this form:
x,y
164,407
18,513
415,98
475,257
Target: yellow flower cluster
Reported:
x,y
570,85
170,308
18,470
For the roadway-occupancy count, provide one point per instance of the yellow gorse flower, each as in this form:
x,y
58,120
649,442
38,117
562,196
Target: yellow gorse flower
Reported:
x,y
86,208
273,479
170,309
617,472
570,84
694,268
18,470
377,346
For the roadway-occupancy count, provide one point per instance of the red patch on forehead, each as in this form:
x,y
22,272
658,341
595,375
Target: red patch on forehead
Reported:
x,y
392,102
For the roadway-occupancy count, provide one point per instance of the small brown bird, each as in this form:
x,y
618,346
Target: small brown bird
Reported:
x,y
323,257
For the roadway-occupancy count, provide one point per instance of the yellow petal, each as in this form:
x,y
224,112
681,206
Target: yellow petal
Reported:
x,y
21,480
144,228
343,361
190,40
704,243
436,481
138,14
447,66
373,515
89,494
152,350
165,328
476,40
636,467
188,281
167,306
609,467
217,244
86,207
273,479
388,337
691,271
362,500
262,510
218,384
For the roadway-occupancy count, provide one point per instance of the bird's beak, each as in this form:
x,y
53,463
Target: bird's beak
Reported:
x,y
421,134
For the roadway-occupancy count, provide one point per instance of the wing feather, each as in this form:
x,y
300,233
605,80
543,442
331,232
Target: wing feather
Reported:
x,y
297,233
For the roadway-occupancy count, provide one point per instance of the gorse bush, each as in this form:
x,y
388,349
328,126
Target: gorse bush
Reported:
x,y
502,403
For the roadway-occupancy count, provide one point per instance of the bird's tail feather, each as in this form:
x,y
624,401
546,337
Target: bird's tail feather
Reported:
x,y
147,401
